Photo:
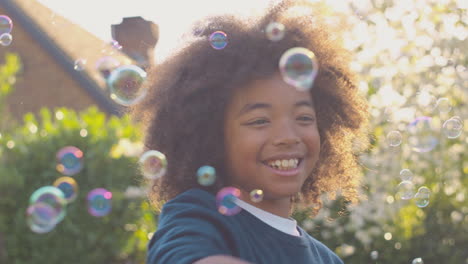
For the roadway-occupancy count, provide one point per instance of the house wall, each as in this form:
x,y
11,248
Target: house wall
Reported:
x,y
42,82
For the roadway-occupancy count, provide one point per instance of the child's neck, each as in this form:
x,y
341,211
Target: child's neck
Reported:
x,y
279,207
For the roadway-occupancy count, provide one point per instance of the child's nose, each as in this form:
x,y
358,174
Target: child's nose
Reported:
x,y
286,134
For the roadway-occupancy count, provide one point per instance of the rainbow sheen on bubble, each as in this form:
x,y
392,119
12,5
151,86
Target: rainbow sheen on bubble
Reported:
x,y
405,190
218,40
421,134
417,261
443,105
99,202
6,24
206,175
69,160
275,31
256,195
106,65
41,217
452,128
126,85
421,198
6,39
406,175
53,197
394,138
299,68
68,186
153,164
226,201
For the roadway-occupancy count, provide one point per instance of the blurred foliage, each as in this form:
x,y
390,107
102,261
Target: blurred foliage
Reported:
x,y
8,71
409,54
28,162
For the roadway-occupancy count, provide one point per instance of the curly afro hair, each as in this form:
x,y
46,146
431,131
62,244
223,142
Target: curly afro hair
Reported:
x,y
183,112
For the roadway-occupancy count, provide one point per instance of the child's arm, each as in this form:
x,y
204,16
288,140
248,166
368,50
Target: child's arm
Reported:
x,y
221,259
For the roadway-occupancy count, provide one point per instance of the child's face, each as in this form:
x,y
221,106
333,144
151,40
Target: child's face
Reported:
x,y
270,123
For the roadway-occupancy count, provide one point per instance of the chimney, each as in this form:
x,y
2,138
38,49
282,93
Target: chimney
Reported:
x,y
138,38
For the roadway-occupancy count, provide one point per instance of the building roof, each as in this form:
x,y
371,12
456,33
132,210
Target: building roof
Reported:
x,y
66,42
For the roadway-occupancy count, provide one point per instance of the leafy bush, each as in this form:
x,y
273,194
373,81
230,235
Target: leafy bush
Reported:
x,y
27,162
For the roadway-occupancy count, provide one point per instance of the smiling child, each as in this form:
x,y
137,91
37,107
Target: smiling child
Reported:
x,y
231,109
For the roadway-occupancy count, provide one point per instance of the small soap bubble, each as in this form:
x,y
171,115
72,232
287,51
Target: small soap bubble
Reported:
x,y
452,128
69,160
126,84
394,138
68,186
99,202
421,135
106,65
115,44
422,197
374,255
218,40
41,217
153,164
206,175
406,175
405,190
443,105
275,31
417,261
6,39
80,64
299,67
256,195
53,197
6,24
225,201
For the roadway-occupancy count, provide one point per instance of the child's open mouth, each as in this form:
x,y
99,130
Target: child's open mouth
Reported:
x,y
283,164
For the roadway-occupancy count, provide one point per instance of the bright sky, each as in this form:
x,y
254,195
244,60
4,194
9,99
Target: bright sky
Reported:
x,y
172,16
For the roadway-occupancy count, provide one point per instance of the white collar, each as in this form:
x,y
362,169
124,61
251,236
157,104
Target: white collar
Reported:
x,y
286,225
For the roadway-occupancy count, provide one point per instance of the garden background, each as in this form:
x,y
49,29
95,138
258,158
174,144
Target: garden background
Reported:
x,y
412,59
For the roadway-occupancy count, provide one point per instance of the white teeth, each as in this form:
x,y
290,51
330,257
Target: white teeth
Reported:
x,y
284,164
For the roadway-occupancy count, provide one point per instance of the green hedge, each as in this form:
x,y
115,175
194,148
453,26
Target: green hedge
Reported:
x,y
27,162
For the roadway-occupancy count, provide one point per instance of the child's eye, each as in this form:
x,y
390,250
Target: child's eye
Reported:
x,y
258,122
306,118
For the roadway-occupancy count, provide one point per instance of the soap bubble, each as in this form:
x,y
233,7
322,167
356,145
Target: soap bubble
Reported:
x,y
421,134
99,202
443,105
115,44
153,164
106,65
405,190
80,64
69,160
452,128
417,261
218,40
68,186
299,67
6,24
41,217
225,201
53,197
394,138
256,195
275,31
6,39
374,255
406,175
422,197
125,84
206,175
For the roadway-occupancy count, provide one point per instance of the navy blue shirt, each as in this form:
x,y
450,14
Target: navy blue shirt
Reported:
x,y
191,228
